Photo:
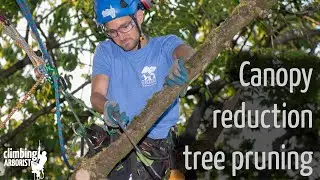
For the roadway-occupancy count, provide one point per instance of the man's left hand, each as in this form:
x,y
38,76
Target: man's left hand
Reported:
x,y
178,74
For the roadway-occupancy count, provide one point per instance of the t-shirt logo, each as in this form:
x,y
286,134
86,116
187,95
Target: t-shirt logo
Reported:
x,y
109,12
149,78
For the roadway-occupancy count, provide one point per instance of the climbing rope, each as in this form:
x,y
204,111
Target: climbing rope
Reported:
x,y
20,103
44,68
81,131
26,12
47,71
66,94
110,132
14,35
54,74
59,124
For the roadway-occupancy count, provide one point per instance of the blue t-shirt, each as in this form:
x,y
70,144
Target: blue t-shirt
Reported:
x,y
136,75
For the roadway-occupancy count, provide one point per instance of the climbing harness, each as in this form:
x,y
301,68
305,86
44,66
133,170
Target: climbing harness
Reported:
x,y
81,128
141,154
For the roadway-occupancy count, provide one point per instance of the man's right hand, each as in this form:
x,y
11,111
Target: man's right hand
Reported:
x,y
111,112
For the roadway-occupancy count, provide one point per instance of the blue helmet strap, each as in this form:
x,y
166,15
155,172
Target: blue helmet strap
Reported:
x,y
139,30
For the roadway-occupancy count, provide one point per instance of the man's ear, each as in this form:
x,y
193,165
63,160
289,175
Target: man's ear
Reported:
x,y
139,16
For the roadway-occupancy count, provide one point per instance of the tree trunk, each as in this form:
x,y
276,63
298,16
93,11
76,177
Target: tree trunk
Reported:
x,y
102,163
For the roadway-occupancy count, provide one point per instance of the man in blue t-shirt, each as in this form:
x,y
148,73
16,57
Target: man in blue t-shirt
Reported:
x,y
129,68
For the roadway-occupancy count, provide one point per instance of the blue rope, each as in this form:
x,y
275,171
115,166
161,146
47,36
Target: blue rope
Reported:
x,y
26,12
61,141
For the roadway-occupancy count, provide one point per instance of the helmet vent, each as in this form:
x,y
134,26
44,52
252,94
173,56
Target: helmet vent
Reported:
x,y
123,4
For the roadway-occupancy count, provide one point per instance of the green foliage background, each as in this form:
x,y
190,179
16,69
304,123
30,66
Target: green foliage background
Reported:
x,y
290,35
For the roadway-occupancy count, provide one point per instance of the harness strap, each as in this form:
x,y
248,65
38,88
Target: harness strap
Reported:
x,y
133,165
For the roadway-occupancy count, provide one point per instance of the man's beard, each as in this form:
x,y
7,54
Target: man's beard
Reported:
x,y
132,47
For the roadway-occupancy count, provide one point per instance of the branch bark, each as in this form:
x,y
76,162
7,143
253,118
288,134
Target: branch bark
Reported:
x,y
96,167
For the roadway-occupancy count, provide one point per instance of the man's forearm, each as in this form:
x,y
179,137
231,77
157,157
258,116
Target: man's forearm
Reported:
x,y
97,101
183,51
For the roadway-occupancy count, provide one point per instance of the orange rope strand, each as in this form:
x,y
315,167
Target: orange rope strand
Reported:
x,y
19,105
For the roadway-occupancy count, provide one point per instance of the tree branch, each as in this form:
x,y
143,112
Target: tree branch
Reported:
x,y
311,19
26,38
246,40
96,167
16,67
54,9
42,32
68,41
308,10
294,35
